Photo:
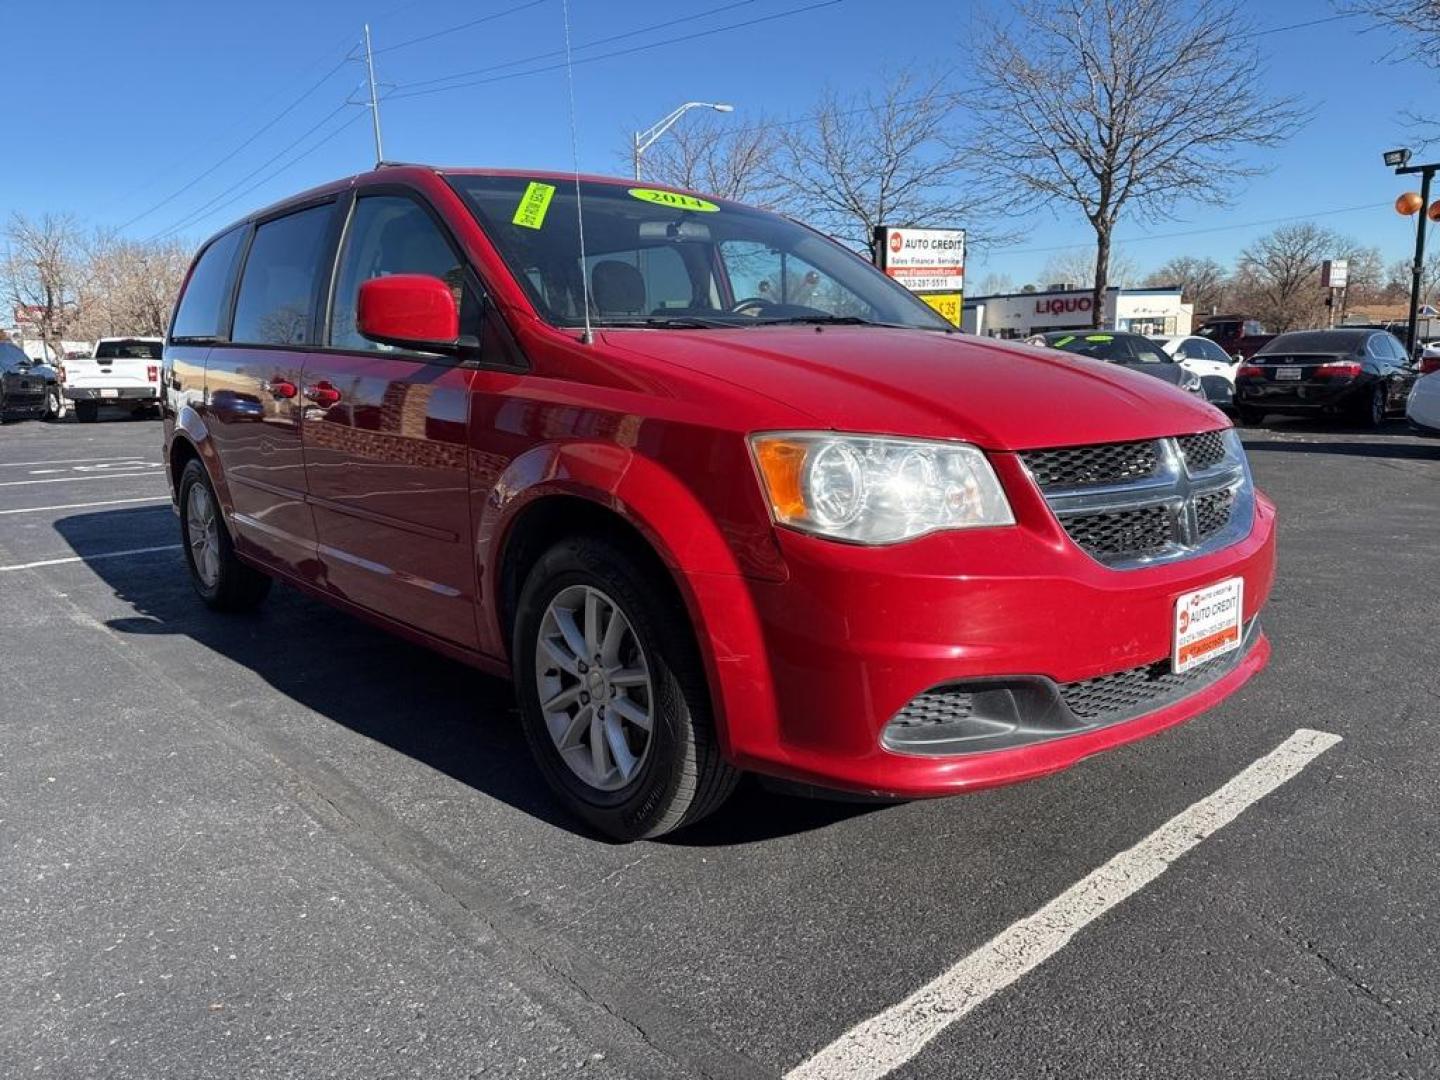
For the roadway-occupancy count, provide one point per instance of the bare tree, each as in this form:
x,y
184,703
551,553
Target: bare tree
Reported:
x,y
993,284
712,155
1278,277
1415,22
1076,266
881,159
41,272
1397,284
129,287
1111,106
1202,281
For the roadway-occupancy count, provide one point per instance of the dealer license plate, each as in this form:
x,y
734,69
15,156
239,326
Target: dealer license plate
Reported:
x,y
1207,623
1287,374
109,393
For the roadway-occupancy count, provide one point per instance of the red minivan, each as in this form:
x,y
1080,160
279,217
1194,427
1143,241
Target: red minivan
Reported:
x,y
714,492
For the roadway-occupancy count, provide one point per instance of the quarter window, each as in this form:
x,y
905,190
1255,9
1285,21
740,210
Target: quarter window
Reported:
x,y
392,234
276,304
202,307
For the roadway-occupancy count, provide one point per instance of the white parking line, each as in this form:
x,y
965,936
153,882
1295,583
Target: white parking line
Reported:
x,y
883,1043
66,461
73,479
85,505
90,558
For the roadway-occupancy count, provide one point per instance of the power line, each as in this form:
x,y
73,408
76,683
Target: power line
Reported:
x,y
199,212
1200,232
625,52
460,26
231,155
267,178
587,45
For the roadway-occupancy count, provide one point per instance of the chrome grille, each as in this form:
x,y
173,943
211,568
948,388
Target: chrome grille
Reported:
x,y
1213,511
1121,532
1202,452
1108,463
1135,504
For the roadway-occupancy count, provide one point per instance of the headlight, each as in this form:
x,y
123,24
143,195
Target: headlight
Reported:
x,y
876,490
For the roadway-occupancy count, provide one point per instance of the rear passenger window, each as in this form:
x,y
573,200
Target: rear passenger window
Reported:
x,y
276,303
202,307
391,234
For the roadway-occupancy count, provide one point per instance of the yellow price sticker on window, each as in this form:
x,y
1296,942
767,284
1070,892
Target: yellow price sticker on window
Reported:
x,y
530,214
672,198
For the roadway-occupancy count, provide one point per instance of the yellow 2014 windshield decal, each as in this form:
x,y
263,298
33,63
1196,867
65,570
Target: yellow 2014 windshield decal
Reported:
x,y
530,214
672,198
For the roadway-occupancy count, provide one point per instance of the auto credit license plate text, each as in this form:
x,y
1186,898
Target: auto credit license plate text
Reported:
x,y
1287,374
1207,623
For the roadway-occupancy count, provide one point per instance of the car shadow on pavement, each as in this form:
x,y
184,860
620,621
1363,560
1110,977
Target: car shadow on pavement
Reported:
x,y
439,712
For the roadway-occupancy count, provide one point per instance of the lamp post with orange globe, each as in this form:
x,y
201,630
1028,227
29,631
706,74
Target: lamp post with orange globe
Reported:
x,y
1415,203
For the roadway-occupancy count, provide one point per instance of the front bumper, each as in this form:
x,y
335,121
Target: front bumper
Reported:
x,y
811,670
111,395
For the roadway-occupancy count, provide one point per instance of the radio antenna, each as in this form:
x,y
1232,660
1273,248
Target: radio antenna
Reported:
x,y
587,337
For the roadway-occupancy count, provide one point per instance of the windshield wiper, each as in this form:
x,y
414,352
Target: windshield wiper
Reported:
x,y
668,322
820,320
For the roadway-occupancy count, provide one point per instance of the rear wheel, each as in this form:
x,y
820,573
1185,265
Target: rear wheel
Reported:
x,y
222,580
1370,410
612,694
87,412
55,404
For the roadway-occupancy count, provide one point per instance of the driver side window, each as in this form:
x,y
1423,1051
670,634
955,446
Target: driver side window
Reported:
x,y
391,234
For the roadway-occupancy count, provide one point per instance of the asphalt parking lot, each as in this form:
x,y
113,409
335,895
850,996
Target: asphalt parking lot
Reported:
x,y
290,845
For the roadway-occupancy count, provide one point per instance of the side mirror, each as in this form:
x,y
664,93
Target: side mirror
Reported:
x,y
409,311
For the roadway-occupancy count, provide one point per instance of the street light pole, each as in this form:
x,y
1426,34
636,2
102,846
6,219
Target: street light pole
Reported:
x,y
1400,159
1417,271
644,139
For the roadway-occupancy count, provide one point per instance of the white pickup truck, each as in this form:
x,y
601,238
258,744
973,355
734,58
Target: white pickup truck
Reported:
x,y
123,372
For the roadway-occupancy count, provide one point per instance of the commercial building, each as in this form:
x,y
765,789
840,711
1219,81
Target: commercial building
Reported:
x,y
1018,315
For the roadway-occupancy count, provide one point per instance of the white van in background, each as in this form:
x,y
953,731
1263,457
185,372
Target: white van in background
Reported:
x,y
122,371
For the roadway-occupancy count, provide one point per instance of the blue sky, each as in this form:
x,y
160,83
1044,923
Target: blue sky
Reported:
x,y
133,101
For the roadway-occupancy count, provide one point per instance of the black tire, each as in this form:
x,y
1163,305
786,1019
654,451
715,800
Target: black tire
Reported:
x,y
87,412
236,586
1370,408
682,776
1249,416
55,404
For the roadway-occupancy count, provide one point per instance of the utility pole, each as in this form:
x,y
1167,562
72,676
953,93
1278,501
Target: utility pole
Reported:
x,y
374,97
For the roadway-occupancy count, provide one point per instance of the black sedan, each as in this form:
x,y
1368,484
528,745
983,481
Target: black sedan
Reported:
x,y
1362,374
23,391
1133,351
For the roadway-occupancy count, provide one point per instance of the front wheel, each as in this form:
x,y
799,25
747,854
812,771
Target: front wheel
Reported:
x,y
612,694
222,580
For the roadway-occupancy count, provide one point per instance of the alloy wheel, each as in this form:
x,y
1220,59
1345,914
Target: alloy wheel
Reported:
x,y
203,533
594,685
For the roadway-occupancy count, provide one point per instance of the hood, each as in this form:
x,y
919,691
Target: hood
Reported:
x,y
994,394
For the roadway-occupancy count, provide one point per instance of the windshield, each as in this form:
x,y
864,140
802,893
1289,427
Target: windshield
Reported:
x,y
128,350
659,258
1113,348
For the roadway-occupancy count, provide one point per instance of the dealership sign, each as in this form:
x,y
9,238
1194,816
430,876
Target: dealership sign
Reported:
x,y
930,262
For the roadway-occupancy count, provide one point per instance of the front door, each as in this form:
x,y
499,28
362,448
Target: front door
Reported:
x,y
252,388
385,437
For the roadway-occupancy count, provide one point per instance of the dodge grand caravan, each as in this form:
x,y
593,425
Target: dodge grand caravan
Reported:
x,y
715,493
